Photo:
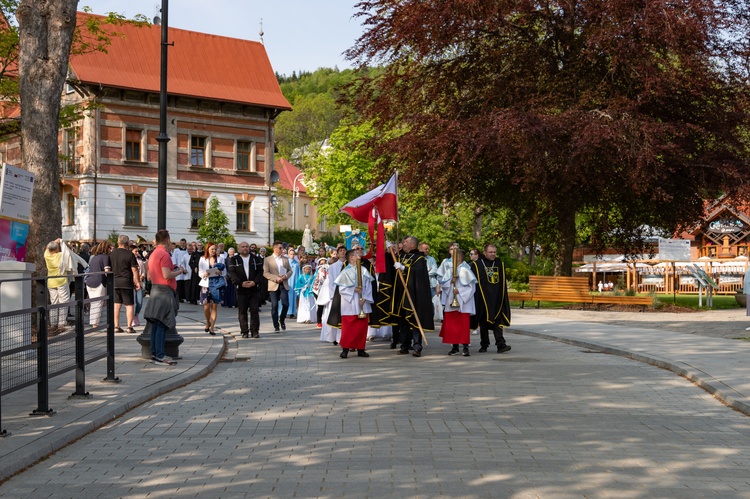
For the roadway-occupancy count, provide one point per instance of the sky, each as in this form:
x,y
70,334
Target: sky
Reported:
x,y
298,34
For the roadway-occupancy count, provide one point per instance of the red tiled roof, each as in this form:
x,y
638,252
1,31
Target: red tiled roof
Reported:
x,y
200,65
9,110
287,173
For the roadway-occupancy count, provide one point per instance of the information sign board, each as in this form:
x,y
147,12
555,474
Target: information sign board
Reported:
x,y
16,188
674,250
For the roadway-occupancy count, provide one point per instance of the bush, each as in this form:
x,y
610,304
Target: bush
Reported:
x,y
291,236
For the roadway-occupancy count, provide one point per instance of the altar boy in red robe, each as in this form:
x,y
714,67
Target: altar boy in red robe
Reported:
x,y
461,285
355,287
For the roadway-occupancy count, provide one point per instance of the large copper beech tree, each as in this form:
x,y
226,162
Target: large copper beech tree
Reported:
x,y
628,112
46,29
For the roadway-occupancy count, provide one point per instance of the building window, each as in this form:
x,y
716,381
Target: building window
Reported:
x,y
306,210
323,222
133,144
198,151
243,216
246,156
197,212
71,209
69,153
133,209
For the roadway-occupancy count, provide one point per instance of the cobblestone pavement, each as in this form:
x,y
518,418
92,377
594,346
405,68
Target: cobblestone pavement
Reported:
x,y
285,417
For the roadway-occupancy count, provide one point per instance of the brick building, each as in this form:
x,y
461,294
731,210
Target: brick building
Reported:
x,y
223,99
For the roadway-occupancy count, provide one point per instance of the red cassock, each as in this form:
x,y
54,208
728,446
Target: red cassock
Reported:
x,y
354,332
455,329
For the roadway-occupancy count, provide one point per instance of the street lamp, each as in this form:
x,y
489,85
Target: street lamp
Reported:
x,y
295,194
273,202
163,138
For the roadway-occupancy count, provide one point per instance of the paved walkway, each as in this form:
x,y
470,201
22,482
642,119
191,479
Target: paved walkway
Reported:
x,y
704,355
285,416
32,438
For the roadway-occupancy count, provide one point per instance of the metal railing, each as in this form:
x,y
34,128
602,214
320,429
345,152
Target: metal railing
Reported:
x,y
33,350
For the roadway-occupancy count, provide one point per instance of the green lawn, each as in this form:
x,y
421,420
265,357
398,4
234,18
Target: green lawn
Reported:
x,y
691,301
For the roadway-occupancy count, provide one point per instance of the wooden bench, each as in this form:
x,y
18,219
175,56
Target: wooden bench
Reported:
x,y
571,290
623,300
559,289
522,296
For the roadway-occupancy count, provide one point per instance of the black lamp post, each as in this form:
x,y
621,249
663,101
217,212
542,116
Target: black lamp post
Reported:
x,y
172,339
163,138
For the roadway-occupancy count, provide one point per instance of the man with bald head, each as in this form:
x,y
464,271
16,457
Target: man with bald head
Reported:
x,y
413,266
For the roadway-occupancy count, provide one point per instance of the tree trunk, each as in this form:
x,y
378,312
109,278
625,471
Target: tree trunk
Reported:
x,y
566,228
45,35
532,252
477,225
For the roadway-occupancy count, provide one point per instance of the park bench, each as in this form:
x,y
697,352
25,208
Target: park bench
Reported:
x,y
522,296
623,300
570,290
559,289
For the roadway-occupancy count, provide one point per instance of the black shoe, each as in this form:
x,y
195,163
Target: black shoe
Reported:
x,y
503,349
466,352
255,335
276,330
482,350
453,351
206,329
402,352
362,353
245,335
344,354
335,342
417,353
283,326
394,345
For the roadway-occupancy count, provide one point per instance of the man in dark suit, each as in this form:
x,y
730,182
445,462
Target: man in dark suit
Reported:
x,y
277,270
246,272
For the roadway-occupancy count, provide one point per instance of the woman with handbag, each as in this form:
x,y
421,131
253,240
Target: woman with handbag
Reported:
x,y
212,285
96,282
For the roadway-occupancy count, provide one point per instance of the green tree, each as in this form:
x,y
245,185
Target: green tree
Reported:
x,y
313,119
214,226
316,100
341,172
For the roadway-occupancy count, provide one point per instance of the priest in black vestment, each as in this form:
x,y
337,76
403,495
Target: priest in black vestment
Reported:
x,y
491,298
413,266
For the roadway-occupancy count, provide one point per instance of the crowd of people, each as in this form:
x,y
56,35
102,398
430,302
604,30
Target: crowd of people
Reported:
x,y
336,289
